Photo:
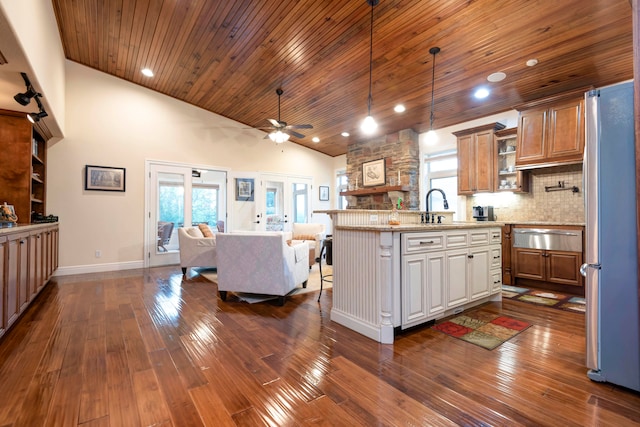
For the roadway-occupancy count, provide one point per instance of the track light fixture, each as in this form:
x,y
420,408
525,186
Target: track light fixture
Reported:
x,y
369,124
41,114
25,97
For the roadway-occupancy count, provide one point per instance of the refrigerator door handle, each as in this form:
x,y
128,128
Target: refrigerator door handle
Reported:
x,y
583,268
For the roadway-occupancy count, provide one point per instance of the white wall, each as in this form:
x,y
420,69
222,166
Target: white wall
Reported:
x,y
111,122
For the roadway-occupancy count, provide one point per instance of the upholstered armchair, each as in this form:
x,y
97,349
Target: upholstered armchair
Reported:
x,y
196,250
260,263
313,233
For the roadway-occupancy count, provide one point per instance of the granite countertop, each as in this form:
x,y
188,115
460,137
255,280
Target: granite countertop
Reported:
x,y
421,227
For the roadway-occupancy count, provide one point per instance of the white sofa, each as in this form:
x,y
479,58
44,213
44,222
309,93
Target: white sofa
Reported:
x,y
261,263
195,249
313,233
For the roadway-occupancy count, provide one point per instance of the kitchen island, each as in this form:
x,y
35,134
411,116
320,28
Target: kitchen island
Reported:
x,y
389,278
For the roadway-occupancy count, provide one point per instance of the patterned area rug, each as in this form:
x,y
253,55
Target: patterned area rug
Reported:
x,y
486,331
545,298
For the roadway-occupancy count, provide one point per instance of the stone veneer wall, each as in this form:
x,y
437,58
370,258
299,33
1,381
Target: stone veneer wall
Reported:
x,y
538,204
401,152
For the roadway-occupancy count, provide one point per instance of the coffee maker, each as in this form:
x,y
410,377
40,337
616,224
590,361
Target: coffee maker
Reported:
x,y
483,213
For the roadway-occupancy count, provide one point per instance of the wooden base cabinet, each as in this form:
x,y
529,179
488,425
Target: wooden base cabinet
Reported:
x,y
28,259
551,266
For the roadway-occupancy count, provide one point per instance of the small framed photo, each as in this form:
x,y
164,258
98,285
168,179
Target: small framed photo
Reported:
x,y
324,193
373,173
244,189
104,178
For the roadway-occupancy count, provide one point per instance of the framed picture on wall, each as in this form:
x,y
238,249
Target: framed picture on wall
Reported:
x,y
373,173
244,189
104,178
324,193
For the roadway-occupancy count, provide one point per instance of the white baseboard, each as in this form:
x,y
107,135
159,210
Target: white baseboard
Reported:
x,y
98,268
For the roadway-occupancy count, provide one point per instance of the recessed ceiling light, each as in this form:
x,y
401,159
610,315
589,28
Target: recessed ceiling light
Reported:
x,y
481,93
399,108
496,77
532,62
315,139
147,72
345,134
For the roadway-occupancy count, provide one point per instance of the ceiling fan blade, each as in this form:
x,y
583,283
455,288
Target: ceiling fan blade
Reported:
x,y
294,133
274,122
300,126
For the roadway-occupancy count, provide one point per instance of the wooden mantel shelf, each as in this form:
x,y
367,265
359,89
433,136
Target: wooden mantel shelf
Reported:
x,y
374,190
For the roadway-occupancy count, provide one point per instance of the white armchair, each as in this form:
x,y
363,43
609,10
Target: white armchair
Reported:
x,y
260,263
313,233
195,249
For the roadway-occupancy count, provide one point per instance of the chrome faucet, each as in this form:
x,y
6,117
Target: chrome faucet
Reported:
x,y
444,200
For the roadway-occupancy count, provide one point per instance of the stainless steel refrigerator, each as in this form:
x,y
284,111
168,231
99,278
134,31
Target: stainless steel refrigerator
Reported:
x,y
610,269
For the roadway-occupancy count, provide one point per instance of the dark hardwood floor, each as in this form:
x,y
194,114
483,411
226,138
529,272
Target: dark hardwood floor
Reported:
x,y
149,348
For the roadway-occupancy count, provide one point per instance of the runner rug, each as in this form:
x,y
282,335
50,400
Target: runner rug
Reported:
x,y
545,298
486,331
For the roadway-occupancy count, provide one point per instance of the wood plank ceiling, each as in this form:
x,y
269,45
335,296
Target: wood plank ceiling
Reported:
x,y
229,57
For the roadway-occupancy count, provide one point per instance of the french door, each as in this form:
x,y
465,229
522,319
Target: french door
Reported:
x,y
180,196
285,200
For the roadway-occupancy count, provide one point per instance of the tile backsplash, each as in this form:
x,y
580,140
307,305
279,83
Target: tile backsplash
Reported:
x,y
538,204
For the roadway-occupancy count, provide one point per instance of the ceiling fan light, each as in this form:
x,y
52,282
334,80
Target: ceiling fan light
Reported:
x,y
279,137
369,125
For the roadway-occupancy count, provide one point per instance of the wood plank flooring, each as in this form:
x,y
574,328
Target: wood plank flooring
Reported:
x,y
151,348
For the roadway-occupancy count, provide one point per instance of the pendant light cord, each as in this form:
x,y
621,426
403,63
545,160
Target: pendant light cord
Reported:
x,y
373,3
433,51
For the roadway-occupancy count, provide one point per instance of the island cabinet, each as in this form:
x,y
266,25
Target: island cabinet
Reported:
x,y
551,133
442,271
28,259
476,154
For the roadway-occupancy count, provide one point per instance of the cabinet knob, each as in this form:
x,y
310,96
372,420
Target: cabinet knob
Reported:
x,y
470,256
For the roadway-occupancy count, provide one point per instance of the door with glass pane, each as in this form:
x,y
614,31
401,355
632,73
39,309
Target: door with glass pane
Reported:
x,y
285,200
181,196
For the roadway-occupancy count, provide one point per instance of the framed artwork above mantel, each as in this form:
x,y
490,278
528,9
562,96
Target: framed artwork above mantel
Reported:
x,y
373,173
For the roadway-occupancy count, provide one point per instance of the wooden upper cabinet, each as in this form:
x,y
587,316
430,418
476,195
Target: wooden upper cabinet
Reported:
x,y
551,134
476,159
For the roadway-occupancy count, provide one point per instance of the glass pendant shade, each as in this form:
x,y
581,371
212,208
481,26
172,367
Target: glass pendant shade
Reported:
x,y
369,125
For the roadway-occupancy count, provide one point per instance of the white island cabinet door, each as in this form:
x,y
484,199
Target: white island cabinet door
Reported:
x,y
457,277
436,273
414,289
479,276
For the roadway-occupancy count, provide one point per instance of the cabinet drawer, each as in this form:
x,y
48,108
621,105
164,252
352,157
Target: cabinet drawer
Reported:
x,y
479,237
422,242
496,236
496,257
457,239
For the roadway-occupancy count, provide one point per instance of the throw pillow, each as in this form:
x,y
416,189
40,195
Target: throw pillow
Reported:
x,y
304,237
206,231
194,232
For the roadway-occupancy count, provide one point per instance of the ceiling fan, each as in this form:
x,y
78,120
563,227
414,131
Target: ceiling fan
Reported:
x,y
281,131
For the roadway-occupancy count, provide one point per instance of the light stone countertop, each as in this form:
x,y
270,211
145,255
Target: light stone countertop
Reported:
x,y
422,227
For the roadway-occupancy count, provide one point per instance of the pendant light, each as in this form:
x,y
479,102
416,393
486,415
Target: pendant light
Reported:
x,y
369,125
432,138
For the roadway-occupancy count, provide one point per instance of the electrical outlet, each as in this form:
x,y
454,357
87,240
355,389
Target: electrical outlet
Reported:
x,y
98,253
